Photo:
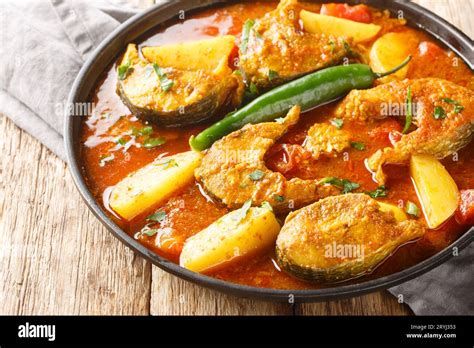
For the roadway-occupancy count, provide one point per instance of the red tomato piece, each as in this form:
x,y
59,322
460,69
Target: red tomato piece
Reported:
x,y
465,213
233,58
358,13
429,50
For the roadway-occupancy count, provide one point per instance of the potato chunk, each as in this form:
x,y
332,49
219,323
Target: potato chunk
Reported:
x,y
153,184
231,237
391,50
435,188
194,55
316,23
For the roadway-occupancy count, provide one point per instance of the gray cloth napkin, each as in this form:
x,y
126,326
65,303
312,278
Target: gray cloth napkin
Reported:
x,y
44,44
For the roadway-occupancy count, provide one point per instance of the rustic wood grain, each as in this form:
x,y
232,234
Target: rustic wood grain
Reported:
x,y
174,296
56,258
457,12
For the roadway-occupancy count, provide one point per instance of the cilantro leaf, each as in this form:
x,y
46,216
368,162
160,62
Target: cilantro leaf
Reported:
x,y
337,122
157,217
256,175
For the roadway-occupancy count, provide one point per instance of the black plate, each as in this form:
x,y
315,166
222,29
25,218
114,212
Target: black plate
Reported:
x,y
142,23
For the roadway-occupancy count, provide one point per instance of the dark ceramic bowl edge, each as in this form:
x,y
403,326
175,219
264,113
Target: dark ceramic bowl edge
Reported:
x,y
325,294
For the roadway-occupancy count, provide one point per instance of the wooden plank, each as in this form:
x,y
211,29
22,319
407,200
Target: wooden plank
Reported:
x,y
377,303
171,295
56,258
457,12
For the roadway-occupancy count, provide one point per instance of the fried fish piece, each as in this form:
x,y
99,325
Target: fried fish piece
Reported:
x,y
183,97
443,113
279,50
326,139
234,169
341,237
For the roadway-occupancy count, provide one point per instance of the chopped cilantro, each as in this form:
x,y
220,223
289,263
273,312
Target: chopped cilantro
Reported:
x,y
154,142
165,82
345,185
123,69
439,113
249,23
337,122
412,209
279,198
272,74
380,191
242,212
256,175
157,217
357,145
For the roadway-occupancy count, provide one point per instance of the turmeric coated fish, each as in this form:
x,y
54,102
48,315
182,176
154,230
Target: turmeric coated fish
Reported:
x,y
234,169
443,113
277,49
309,244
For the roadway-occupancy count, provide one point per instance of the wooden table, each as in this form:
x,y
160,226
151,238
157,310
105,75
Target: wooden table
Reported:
x,y
56,258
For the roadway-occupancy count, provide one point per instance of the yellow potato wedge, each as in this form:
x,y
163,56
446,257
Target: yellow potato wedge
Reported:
x,y
436,189
392,49
316,23
230,238
398,213
194,55
153,183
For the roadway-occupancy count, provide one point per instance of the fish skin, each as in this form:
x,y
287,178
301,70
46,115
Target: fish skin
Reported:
x,y
437,137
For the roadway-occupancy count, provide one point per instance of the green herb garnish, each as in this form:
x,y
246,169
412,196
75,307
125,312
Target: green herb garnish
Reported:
x,y
412,209
154,142
123,69
279,198
380,191
345,185
105,158
409,116
272,74
251,91
439,113
450,101
267,205
242,212
258,35
157,217
165,82
249,23
147,130
333,45
151,232
458,109
457,105
256,175
121,141
357,145
169,163
337,122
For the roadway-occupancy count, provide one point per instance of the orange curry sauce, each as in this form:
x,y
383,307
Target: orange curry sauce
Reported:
x,y
191,210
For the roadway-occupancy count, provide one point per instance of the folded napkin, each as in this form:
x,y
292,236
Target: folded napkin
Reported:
x,y
44,44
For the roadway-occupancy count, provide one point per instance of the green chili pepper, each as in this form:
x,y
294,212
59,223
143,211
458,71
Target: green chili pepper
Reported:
x,y
308,92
